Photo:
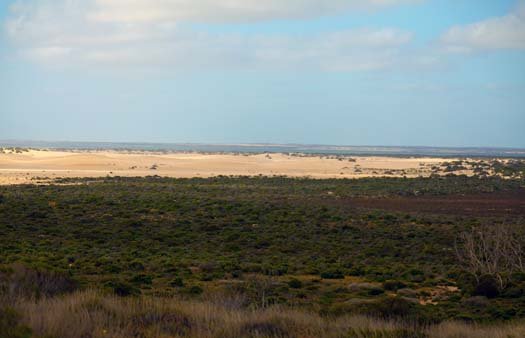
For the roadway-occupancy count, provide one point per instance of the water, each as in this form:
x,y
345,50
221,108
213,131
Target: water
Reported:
x,y
275,148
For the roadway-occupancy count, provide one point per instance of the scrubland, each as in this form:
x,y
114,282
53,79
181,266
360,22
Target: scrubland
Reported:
x,y
259,257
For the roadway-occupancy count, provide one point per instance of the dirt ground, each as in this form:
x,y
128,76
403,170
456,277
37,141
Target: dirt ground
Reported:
x,y
484,204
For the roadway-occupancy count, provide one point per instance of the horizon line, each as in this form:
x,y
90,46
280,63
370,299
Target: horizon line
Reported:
x,y
258,144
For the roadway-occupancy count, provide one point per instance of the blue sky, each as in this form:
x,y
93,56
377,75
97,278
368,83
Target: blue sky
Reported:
x,y
371,72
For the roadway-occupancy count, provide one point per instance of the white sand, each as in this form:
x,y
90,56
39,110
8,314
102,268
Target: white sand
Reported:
x,y
27,166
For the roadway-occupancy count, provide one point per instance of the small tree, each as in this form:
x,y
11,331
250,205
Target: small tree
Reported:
x,y
495,251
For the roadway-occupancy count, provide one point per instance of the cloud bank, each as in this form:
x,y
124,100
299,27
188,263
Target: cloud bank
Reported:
x,y
159,34
228,10
154,33
506,32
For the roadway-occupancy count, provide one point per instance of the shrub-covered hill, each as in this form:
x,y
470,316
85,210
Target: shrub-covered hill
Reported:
x,y
332,246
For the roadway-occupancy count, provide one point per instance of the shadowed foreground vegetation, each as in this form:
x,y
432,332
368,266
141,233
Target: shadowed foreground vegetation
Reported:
x,y
91,314
260,257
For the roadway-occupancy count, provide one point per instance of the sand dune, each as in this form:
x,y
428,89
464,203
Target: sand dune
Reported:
x,y
26,167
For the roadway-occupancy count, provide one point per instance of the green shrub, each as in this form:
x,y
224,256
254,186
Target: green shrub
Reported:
x,y
236,273
466,282
336,274
112,268
122,289
177,282
136,266
487,286
393,285
375,291
141,279
518,276
10,326
272,270
512,292
195,290
295,283
466,317
476,302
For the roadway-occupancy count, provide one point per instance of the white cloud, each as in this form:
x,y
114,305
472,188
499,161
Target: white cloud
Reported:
x,y
506,32
228,10
47,53
351,50
74,32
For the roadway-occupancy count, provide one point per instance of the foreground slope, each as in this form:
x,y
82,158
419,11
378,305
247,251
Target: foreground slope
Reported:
x,y
384,247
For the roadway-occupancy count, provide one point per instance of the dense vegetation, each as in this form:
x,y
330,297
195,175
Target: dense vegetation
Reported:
x,y
98,315
313,244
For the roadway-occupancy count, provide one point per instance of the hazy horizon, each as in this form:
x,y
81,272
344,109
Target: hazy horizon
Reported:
x,y
27,142
259,148
414,73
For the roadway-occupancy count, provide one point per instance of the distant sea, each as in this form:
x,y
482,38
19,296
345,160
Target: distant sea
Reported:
x,y
275,148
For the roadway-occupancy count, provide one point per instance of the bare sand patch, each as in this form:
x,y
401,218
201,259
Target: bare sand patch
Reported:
x,y
26,167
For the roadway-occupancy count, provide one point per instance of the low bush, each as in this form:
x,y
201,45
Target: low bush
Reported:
x,y
512,292
336,274
141,279
122,289
375,291
393,285
389,308
295,283
19,281
487,286
195,290
10,326
177,282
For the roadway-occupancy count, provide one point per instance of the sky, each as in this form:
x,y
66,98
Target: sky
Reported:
x,y
340,72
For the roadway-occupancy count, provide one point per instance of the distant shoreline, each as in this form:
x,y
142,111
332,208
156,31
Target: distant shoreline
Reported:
x,y
307,150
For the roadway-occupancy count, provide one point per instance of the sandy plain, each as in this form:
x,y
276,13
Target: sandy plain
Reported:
x,y
44,165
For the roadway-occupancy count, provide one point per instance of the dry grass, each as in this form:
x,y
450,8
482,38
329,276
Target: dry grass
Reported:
x,y
460,330
92,314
